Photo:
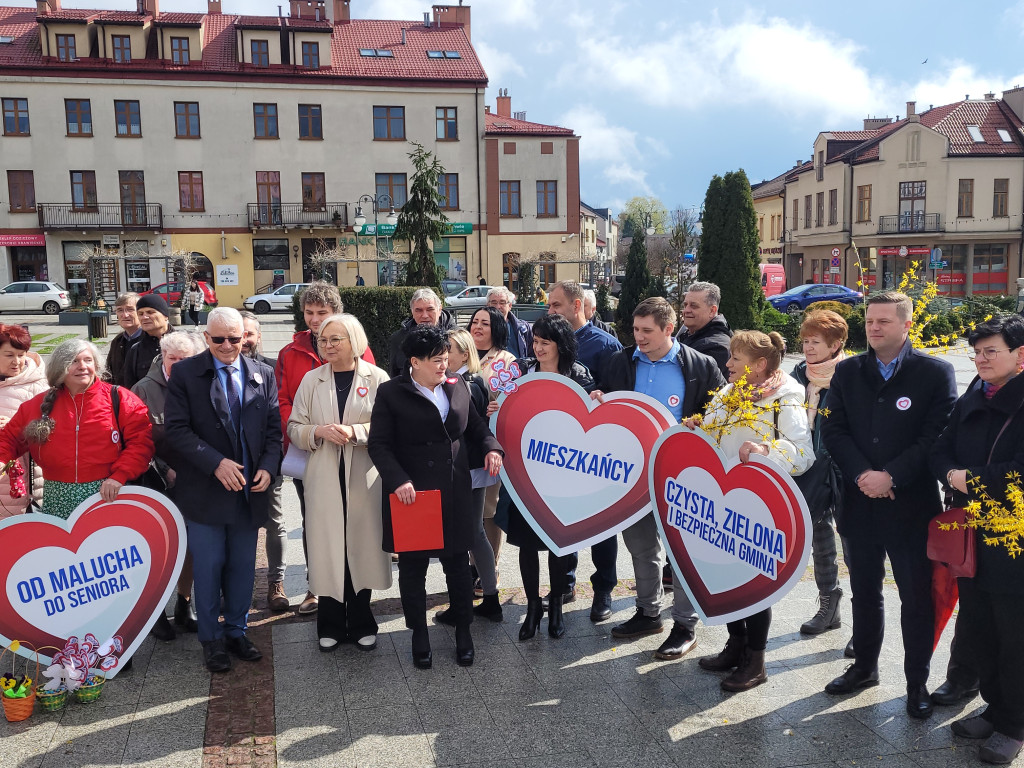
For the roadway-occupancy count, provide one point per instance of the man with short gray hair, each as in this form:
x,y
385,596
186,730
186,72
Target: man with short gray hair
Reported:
x,y
131,332
590,311
704,329
425,308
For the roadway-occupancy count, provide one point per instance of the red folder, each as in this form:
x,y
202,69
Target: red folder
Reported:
x,y
417,526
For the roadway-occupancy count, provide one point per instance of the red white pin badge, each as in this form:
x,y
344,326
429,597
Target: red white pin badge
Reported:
x,y
452,380
903,403
673,400
362,391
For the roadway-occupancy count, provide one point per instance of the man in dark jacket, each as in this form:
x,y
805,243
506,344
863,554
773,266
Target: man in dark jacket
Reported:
x,y
887,407
520,334
683,381
223,429
703,328
131,332
425,308
153,318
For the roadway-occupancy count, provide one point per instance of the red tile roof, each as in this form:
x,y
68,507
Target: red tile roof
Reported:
x,y
258,22
78,15
179,19
323,25
496,125
121,17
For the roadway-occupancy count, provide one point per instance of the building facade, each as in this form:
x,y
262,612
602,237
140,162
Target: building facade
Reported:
x,y
768,207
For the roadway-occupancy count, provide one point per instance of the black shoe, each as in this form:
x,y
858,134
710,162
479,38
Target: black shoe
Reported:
x,y
848,651
127,665
447,616
638,626
244,648
851,680
567,597
216,656
827,616
534,613
919,705
464,652
556,625
163,630
950,693
681,640
185,614
490,608
601,609
422,658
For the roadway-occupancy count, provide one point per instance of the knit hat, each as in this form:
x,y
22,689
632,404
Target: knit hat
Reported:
x,y
153,301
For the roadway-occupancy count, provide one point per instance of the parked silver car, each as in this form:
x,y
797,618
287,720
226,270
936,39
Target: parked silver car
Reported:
x,y
29,296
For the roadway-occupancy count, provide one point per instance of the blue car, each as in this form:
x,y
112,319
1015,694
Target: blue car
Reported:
x,y
796,300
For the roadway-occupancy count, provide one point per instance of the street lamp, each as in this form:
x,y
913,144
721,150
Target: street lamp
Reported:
x,y
377,202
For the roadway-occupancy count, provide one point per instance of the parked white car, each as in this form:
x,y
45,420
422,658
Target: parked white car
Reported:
x,y
474,296
29,296
281,299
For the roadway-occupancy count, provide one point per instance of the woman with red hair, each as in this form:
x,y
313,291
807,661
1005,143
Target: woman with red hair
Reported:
x,y
22,377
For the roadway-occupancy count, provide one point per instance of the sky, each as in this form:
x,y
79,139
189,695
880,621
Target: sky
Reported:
x,y
666,93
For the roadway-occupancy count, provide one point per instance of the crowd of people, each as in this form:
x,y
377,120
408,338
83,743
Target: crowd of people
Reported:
x,y
207,419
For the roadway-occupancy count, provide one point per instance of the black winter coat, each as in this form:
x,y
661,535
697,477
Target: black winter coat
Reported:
x,y
139,357
712,340
117,355
408,443
700,372
889,426
966,443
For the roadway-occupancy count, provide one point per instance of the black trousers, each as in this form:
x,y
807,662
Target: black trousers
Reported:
x,y
990,629
558,571
870,538
412,585
348,620
755,628
961,668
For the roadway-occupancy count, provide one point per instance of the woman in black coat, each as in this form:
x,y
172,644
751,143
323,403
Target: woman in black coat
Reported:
x,y
422,430
985,440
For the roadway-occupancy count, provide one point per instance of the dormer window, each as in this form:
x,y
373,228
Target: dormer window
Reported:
x,y
179,50
381,53
1005,136
6,39
122,46
66,48
260,53
311,55
444,55
975,132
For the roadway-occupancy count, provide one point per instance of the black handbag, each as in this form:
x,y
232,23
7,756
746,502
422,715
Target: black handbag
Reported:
x,y
821,485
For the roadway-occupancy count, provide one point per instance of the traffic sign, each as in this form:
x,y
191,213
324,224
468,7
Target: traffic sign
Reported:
x,y
835,253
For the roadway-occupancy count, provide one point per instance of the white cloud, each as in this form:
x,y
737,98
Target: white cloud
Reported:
x,y
390,9
498,64
955,82
610,150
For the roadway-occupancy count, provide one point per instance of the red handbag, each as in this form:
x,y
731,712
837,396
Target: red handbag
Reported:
x,y
954,548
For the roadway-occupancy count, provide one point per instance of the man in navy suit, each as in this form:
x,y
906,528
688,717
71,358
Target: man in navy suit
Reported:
x,y
223,425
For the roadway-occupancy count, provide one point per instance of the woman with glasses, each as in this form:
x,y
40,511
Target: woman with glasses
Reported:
x,y
330,418
984,442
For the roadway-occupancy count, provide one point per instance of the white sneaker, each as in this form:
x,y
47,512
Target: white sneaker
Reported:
x,y
367,643
328,644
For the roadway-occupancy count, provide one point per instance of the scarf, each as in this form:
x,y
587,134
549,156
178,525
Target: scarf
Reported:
x,y
768,387
819,377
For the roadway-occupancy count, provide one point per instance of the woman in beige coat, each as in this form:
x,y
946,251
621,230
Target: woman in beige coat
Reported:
x,y
341,487
22,377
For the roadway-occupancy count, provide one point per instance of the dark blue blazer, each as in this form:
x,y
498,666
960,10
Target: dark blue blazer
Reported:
x,y
199,434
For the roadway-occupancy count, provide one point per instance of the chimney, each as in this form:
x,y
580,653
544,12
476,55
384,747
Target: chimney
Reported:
x,y
912,116
874,123
213,7
46,7
990,96
453,14
487,109
342,11
504,103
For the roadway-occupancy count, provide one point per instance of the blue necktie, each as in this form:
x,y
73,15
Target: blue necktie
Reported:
x,y
234,403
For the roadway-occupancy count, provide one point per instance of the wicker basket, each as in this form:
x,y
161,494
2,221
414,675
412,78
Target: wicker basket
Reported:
x,y
52,701
16,710
90,690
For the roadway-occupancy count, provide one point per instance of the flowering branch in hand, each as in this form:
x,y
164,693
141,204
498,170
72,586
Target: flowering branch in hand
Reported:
x,y
1000,524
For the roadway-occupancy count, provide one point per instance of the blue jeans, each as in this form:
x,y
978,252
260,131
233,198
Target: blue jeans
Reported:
x,y
224,561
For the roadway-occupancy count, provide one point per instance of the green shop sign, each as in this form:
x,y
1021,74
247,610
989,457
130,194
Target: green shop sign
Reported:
x,y
387,230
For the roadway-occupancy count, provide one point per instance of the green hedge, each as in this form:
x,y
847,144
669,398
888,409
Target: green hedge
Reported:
x,y
380,310
789,327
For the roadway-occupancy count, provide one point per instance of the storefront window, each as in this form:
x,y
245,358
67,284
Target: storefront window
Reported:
x,y
450,253
269,254
76,271
28,263
990,273
952,278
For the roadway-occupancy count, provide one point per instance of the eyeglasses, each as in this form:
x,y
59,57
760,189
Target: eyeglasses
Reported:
x,y
333,341
230,339
988,354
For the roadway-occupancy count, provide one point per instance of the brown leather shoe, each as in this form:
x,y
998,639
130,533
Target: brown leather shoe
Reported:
x,y
277,600
309,605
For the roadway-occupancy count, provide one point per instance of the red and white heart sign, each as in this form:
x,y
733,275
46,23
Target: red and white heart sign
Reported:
x,y
577,469
737,535
107,570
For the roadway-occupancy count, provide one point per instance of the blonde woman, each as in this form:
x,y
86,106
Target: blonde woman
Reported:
x,y
330,418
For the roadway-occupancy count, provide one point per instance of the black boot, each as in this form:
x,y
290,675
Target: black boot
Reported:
x,y
534,613
827,616
464,652
185,614
163,630
730,657
749,673
556,627
422,658
490,608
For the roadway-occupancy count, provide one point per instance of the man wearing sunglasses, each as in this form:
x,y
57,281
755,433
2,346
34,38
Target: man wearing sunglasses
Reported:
x,y
223,425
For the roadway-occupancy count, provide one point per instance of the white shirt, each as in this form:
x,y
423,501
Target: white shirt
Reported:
x,y
435,396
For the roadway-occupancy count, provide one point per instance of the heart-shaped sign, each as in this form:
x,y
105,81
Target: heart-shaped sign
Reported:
x,y
577,469
107,570
737,534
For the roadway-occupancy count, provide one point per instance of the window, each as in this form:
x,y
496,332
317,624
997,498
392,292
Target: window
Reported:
x,y
990,268
389,123
21,191
186,119
760,228
260,51
547,198
78,114
311,55
268,197
66,48
508,148
132,185
447,125
965,199
179,50
1000,195
394,186
83,190
270,254
15,117
265,120
444,55
310,122
819,218
378,52
190,191
547,147
122,47
975,133
508,197
807,212
912,198
314,192
833,206
448,187
864,203
819,167
128,119
1004,135
796,215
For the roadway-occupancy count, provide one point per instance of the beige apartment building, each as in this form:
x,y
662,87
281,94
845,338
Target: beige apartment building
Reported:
x,y
944,188
254,143
768,206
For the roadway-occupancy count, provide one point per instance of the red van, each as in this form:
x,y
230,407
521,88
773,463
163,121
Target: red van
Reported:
x,y
773,279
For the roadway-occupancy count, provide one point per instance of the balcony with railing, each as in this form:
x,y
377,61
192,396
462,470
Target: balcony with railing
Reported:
x,y
101,216
298,215
904,223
